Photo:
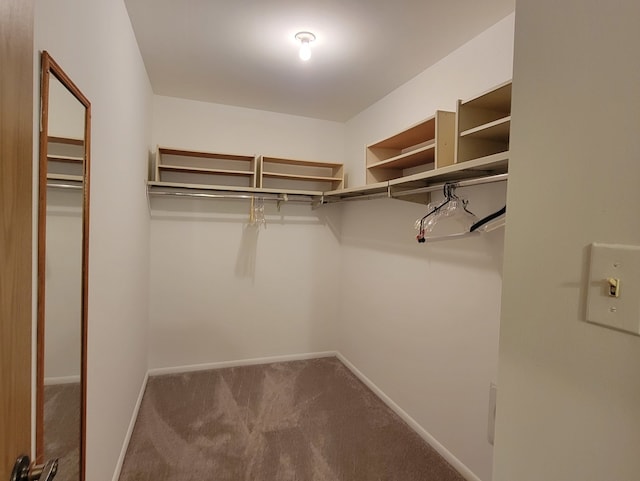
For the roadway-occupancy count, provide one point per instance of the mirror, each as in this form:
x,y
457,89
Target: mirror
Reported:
x,y
63,227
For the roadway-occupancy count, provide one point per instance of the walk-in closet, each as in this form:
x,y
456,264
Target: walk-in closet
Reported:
x,y
331,241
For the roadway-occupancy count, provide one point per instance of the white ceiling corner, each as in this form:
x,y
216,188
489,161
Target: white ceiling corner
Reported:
x,y
243,52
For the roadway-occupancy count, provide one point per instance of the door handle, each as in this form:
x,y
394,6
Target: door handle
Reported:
x,y
23,470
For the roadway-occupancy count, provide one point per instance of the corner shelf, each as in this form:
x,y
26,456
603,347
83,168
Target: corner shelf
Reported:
x,y
486,167
483,124
425,146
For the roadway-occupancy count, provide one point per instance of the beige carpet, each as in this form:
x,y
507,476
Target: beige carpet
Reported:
x,y
295,421
62,428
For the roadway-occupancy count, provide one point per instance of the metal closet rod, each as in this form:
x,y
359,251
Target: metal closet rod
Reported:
x,y
460,183
206,195
59,185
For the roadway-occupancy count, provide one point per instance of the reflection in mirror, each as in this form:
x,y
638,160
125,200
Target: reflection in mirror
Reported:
x,y
63,224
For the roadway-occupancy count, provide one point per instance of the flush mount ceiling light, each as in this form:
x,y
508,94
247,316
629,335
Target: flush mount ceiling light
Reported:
x,y
305,39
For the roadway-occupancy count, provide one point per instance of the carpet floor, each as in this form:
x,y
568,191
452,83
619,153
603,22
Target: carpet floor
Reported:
x,y
309,420
62,428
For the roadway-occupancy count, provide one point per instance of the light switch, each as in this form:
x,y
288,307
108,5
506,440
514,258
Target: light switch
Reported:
x,y
613,297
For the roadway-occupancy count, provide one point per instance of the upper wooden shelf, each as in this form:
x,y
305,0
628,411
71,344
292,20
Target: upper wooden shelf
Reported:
x,y
305,175
203,155
414,158
302,163
424,146
497,129
179,168
195,170
483,124
312,178
496,99
189,167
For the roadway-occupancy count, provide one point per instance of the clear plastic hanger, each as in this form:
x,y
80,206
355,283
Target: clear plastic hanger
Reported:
x,y
449,219
256,212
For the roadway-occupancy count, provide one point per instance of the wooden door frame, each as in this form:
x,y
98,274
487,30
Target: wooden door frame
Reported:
x,y
16,236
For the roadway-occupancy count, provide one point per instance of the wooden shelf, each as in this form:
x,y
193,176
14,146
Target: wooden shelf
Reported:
x,y
478,168
425,146
493,164
188,167
312,178
65,158
422,155
64,140
204,187
302,163
185,170
496,130
293,175
490,165
195,170
483,124
65,177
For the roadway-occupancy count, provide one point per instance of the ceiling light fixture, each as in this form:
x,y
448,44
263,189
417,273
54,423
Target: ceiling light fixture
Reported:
x,y
305,39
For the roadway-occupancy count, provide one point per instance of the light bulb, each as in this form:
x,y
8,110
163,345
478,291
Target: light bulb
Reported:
x,y
305,39
305,50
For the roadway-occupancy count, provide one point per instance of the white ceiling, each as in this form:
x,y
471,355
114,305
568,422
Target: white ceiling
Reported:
x,y
243,52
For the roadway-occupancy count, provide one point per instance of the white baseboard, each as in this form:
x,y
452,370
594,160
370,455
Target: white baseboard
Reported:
x,y
424,434
49,381
240,362
132,423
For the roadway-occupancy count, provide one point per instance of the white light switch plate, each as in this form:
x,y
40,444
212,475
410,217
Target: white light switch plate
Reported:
x,y
617,262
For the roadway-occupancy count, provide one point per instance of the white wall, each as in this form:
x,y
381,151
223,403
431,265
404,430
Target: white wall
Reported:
x,y
421,321
63,283
93,42
569,392
223,291
212,127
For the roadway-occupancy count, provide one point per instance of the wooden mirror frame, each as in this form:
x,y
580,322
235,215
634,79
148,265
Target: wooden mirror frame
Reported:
x,y
50,67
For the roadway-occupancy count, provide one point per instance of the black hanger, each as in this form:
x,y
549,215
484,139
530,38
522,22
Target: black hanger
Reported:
x,y
488,218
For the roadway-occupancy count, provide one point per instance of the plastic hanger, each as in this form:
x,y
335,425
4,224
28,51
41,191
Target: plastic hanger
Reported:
x,y
452,211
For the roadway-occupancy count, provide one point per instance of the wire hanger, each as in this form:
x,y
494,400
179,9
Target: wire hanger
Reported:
x,y
485,223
